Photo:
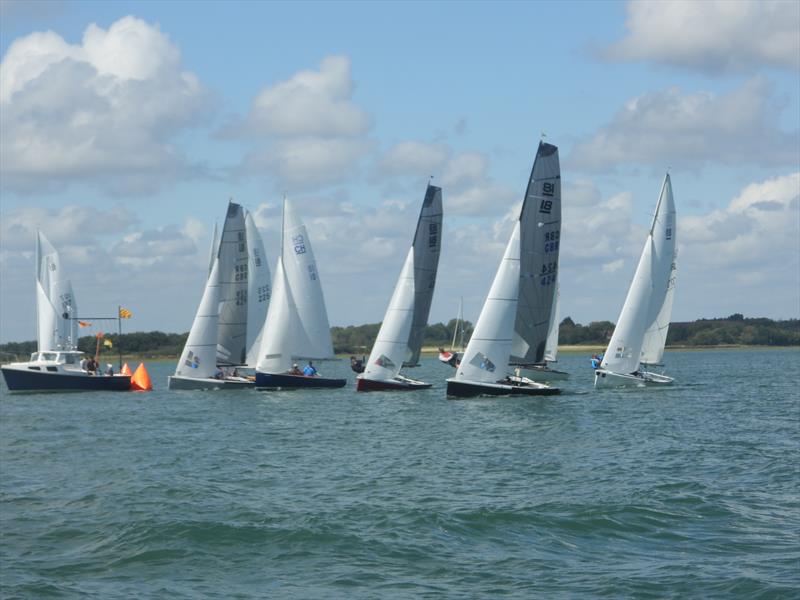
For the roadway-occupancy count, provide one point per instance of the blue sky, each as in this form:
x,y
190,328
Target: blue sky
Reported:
x,y
126,126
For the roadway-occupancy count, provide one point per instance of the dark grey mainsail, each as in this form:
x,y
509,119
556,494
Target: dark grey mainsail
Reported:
x,y
540,238
232,256
427,244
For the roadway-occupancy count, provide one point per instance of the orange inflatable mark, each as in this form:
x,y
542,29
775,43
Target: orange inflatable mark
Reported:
x,y
126,370
140,382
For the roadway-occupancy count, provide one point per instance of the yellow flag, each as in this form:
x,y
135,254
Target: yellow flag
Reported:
x,y
108,343
124,313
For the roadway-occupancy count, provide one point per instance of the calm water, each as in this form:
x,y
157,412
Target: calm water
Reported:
x,y
688,491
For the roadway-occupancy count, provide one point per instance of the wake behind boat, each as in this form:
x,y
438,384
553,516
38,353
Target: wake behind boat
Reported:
x,y
56,366
638,341
297,322
513,323
400,337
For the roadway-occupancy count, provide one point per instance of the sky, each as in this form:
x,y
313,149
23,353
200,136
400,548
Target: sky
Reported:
x,y
125,128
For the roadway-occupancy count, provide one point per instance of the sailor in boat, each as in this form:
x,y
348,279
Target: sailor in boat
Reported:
x,y
220,374
310,370
109,370
450,358
295,370
596,360
356,364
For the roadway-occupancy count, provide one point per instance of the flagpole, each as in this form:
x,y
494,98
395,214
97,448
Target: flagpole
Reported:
x,y
119,336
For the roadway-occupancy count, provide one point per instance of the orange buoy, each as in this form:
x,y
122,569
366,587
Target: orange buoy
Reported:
x,y
126,370
140,382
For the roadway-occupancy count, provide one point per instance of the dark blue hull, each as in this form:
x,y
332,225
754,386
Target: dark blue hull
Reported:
x,y
19,380
286,381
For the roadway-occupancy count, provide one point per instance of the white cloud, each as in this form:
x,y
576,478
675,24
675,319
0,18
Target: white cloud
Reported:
x,y
147,248
670,128
310,103
712,36
308,162
465,169
412,158
102,111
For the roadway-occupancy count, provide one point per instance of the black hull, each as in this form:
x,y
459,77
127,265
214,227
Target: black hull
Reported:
x,y
370,385
466,389
19,380
286,381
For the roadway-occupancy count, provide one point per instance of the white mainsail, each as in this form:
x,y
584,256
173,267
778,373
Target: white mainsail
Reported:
x,y
664,232
259,289
487,354
199,356
426,244
313,334
56,308
648,295
551,346
391,345
540,240
233,257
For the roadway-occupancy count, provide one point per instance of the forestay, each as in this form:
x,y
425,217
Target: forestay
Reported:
x,y
540,239
486,357
56,307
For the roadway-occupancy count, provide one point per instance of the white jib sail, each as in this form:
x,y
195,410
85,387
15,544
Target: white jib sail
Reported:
x,y
259,289
551,347
232,257
199,356
390,347
313,336
540,240
56,308
276,350
648,293
486,357
664,233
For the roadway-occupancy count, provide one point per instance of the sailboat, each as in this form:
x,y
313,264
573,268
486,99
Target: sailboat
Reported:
x,y
228,325
296,326
513,324
56,364
453,356
402,331
638,341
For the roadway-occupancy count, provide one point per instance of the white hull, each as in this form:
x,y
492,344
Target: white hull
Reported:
x,y
604,378
176,382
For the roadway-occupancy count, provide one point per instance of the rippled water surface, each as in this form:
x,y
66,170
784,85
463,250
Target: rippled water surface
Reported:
x,y
686,491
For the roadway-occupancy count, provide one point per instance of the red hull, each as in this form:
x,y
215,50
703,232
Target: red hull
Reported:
x,y
369,385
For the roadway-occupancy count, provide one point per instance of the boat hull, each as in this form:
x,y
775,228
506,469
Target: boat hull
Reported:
x,y
470,389
399,384
604,378
26,380
176,382
287,381
541,373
